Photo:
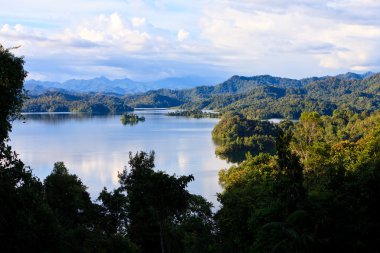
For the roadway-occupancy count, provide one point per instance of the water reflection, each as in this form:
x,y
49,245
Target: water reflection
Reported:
x,y
55,118
234,153
96,147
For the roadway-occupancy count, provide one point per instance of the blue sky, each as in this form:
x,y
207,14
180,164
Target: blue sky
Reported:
x,y
149,40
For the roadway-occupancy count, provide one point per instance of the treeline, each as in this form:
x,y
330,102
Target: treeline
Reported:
x,y
71,102
151,100
193,114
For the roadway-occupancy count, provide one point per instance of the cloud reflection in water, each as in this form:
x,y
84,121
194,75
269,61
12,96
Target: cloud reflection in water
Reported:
x,y
96,148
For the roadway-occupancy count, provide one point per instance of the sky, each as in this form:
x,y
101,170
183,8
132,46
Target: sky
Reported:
x,y
154,39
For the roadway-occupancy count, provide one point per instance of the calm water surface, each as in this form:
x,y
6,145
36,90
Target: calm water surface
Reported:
x,y
96,147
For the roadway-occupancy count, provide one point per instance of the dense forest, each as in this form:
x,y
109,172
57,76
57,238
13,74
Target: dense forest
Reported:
x,y
317,193
306,186
269,97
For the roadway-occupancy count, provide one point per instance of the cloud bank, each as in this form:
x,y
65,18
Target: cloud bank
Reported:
x,y
147,40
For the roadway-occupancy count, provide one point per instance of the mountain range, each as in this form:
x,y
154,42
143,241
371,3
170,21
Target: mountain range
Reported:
x,y
117,86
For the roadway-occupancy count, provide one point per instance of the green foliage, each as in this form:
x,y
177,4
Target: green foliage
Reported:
x,y
292,235
151,100
161,215
195,229
324,203
260,190
68,102
154,199
289,98
113,210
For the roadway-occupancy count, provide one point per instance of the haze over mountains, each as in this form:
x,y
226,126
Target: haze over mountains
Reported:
x,y
118,86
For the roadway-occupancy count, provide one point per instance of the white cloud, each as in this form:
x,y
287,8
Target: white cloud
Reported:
x,y
5,28
109,31
256,34
182,35
110,45
136,22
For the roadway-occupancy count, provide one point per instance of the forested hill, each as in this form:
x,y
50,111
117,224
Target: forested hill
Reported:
x,y
267,97
243,84
74,102
257,97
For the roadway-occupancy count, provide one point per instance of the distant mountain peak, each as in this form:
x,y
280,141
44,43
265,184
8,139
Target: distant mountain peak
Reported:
x,y
102,78
354,76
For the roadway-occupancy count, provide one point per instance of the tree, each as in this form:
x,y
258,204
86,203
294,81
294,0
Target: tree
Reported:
x,y
113,211
12,75
155,200
67,196
113,221
195,229
71,204
26,221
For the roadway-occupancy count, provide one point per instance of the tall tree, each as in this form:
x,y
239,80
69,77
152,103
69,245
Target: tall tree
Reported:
x,y
71,204
12,76
155,200
26,222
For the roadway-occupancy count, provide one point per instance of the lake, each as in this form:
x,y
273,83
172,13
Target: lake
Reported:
x,y
96,148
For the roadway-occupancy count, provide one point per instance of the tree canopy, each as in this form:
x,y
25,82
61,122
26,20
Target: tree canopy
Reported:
x,y
12,76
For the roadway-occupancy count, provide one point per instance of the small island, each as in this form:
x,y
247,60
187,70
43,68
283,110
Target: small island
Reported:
x,y
194,114
131,118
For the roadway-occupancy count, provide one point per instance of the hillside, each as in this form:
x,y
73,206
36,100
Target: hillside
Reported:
x,y
73,102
